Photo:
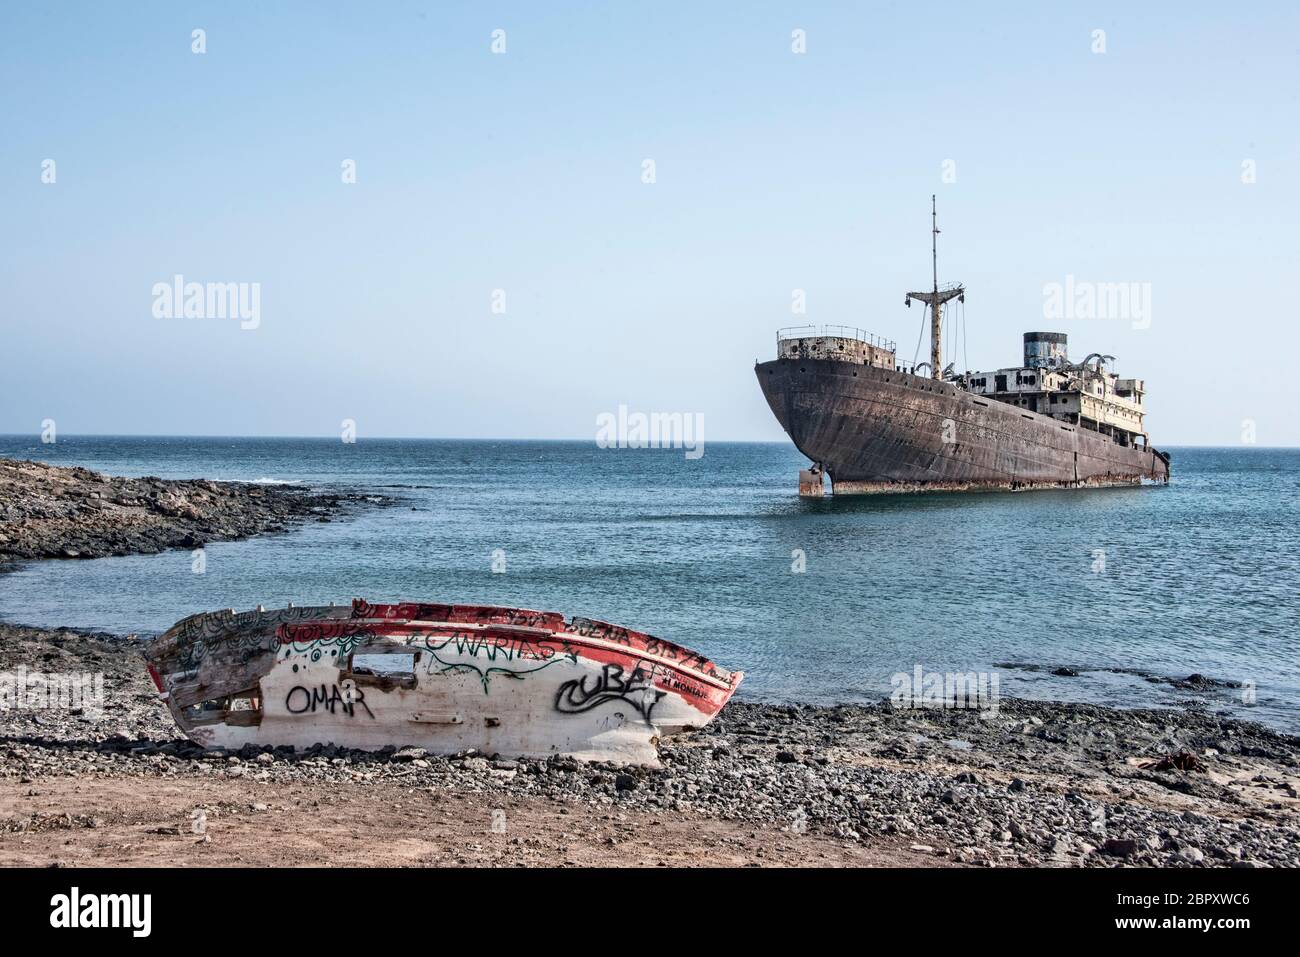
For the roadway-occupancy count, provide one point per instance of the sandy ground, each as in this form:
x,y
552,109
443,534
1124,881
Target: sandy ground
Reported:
x,y
155,823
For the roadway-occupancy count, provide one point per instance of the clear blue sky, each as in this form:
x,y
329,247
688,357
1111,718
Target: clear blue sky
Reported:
x,y
522,172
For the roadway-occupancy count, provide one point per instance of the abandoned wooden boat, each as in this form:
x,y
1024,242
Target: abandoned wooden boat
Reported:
x,y
446,678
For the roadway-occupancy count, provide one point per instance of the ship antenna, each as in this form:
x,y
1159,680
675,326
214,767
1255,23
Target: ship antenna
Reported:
x,y
935,299
934,241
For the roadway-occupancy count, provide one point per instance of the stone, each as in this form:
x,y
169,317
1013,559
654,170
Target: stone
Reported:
x,y
1120,847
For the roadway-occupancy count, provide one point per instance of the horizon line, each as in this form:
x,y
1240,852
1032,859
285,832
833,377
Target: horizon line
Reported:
x,y
417,438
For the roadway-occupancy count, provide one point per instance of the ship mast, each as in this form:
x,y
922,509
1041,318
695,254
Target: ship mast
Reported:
x,y
936,297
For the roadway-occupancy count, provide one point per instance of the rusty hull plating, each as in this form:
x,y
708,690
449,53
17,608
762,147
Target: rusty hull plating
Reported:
x,y
446,678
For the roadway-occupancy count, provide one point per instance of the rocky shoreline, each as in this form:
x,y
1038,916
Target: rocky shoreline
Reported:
x,y
1038,784
49,511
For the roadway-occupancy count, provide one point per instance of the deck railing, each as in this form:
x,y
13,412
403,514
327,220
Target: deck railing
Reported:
x,y
840,332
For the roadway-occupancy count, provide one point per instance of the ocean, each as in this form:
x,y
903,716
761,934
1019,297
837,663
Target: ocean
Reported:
x,y
821,601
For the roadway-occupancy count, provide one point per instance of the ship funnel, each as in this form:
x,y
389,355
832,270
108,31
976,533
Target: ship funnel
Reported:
x,y
1045,350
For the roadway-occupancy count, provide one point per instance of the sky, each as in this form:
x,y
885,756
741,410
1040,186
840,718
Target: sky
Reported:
x,y
501,268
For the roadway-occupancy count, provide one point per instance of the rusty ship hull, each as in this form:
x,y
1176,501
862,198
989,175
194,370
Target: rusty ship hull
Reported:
x,y
445,678
879,430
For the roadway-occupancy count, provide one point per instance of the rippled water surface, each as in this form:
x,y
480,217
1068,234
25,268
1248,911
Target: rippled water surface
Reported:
x,y
1120,585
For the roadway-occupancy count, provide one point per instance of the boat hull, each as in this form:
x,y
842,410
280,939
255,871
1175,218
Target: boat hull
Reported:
x,y
876,430
445,678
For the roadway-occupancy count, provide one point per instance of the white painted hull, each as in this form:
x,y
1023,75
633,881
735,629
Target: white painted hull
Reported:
x,y
444,678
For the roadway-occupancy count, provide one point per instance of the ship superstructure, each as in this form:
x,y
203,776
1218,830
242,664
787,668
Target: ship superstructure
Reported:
x,y
1087,394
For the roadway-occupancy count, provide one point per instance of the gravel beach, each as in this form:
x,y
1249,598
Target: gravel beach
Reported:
x,y
1040,784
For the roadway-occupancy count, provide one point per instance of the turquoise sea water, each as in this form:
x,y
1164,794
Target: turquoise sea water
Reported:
x,y
1199,577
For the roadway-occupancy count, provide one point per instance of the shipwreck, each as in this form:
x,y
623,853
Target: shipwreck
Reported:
x,y
446,678
875,424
